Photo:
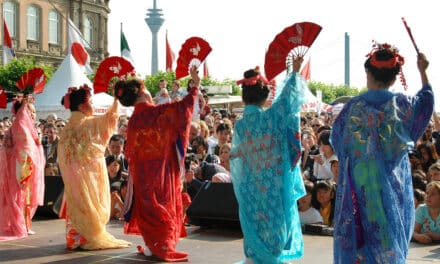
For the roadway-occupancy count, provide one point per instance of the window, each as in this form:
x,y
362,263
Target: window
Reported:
x,y
33,23
88,31
9,13
54,27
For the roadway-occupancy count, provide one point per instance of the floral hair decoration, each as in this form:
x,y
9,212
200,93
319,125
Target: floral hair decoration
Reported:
x,y
388,64
253,80
66,98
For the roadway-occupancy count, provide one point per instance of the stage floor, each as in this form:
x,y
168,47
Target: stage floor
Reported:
x,y
203,245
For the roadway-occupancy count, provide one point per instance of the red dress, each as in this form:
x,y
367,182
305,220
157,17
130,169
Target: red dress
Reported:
x,y
157,139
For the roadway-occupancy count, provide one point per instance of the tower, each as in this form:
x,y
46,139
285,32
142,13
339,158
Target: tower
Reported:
x,y
154,21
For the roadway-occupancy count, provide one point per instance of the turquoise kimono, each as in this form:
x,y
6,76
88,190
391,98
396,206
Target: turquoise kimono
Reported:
x,y
266,176
374,212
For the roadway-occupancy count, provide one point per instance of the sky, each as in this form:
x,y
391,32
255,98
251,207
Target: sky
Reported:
x,y
240,31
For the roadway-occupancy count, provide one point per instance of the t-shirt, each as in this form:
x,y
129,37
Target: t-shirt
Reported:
x,y
310,216
423,218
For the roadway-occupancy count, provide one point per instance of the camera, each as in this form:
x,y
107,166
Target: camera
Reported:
x,y
45,140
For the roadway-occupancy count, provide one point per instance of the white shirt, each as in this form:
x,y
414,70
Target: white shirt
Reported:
x,y
310,216
324,171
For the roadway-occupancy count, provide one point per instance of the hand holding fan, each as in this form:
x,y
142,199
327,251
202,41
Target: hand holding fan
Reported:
x,y
293,41
111,67
32,81
193,52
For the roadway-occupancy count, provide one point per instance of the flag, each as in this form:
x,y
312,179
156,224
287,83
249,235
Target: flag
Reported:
x,y
305,72
3,98
205,70
169,55
125,49
77,47
8,50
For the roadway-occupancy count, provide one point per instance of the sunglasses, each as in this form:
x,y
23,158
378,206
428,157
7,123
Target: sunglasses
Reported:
x,y
316,125
60,125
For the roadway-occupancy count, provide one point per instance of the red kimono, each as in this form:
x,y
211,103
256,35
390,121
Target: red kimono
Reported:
x,y
157,139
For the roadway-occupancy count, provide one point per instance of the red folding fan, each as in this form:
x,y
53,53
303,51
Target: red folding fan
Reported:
x,y
111,67
193,52
292,41
32,81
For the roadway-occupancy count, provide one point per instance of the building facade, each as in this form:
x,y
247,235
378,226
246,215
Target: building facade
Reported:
x,y
38,28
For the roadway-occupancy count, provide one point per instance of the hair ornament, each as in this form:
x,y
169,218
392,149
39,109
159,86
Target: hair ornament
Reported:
x,y
388,64
253,80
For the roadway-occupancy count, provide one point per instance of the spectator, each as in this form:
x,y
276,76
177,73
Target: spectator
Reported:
x,y
50,146
51,118
434,172
428,155
224,134
176,94
116,148
307,213
322,162
310,149
115,180
60,124
206,110
323,199
427,225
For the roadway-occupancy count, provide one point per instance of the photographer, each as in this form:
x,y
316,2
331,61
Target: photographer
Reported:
x,y
50,146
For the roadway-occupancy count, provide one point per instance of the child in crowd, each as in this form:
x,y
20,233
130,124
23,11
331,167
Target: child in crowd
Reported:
x,y
323,199
307,213
434,172
427,226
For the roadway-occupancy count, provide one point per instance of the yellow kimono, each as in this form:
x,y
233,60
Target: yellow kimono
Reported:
x,y
86,187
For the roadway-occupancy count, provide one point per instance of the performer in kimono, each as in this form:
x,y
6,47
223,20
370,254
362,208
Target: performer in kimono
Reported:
x,y
21,173
81,159
157,139
264,168
374,213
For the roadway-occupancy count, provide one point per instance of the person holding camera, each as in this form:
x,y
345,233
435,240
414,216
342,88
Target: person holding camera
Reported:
x,y
50,146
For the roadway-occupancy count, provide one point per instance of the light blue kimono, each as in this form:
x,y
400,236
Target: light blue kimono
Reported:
x,y
374,211
266,176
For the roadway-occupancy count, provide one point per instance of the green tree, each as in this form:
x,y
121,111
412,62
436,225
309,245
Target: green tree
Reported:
x,y
330,91
12,72
152,82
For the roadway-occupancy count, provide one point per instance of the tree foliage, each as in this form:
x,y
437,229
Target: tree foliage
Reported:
x,y
12,72
152,82
330,91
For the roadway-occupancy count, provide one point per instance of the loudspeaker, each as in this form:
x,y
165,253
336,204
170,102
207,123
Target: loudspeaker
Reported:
x,y
215,203
53,192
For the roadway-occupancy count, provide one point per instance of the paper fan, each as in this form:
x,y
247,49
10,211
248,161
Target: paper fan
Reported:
x,y
193,52
292,41
32,81
111,67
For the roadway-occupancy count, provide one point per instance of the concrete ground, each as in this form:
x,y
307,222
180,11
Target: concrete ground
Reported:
x,y
203,245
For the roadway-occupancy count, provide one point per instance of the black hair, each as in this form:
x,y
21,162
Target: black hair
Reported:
x,y
111,158
76,98
324,138
201,141
254,94
419,195
127,91
383,74
223,126
117,137
328,185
